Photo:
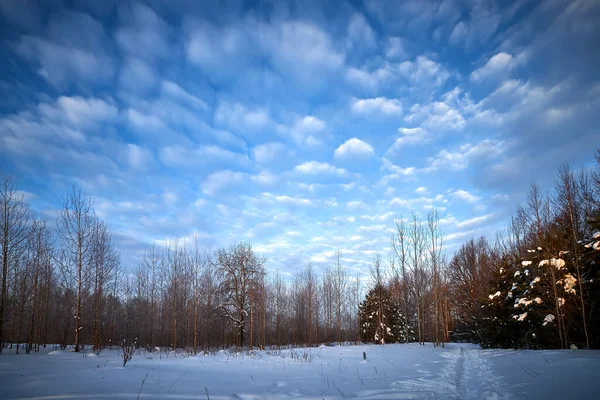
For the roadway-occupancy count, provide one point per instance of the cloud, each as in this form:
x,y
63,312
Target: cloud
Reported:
x,y
301,46
497,66
268,153
143,34
466,154
379,104
318,168
353,148
265,178
395,48
191,157
79,112
360,35
221,181
410,136
172,90
74,52
476,221
138,157
293,47
463,195
424,72
306,130
436,116
137,76
238,116
421,190
370,79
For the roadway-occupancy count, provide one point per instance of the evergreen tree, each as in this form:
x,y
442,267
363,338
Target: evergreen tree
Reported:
x,y
380,319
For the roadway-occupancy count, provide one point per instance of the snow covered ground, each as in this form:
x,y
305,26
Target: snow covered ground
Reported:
x,y
410,371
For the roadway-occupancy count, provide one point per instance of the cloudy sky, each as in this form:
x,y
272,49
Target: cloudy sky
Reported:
x,y
302,127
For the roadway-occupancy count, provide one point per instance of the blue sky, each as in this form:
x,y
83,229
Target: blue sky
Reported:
x,y
302,127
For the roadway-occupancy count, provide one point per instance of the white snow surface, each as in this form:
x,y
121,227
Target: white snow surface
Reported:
x,y
393,371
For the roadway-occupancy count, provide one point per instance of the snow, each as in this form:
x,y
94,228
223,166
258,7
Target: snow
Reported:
x,y
525,263
548,319
399,371
492,296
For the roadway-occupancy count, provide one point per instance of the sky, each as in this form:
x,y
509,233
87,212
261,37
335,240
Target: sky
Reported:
x,y
301,127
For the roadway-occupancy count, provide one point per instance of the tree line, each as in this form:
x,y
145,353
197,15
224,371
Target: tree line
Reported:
x,y
535,285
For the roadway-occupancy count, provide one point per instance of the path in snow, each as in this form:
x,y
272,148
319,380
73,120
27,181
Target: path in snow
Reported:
x,y
395,372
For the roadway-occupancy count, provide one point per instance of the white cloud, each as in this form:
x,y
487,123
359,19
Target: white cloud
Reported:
x,y
463,195
174,91
476,221
421,190
144,122
466,154
74,51
143,33
410,136
396,170
299,45
190,157
378,104
238,116
79,111
424,72
436,115
305,130
395,48
265,178
459,33
298,201
353,148
267,153
138,157
170,198
220,181
360,34
369,79
353,205
497,66
137,76
318,168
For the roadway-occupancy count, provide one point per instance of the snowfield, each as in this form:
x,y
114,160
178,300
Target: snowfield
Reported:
x,y
399,371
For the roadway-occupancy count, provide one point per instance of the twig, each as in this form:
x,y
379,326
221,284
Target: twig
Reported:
x,y
174,383
206,391
338,389
144,380
358,374
545,359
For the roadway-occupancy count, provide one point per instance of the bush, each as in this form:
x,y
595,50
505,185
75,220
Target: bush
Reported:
x,y
128,350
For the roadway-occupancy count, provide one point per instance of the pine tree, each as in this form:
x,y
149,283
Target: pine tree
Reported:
x,y
380,319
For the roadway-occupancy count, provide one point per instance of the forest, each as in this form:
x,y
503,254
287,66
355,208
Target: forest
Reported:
x,y
536,284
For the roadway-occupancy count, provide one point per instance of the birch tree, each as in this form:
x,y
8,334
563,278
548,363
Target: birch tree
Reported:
x,y
75,226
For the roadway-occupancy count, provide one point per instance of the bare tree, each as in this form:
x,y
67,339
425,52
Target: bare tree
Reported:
x,y
436,248
14,221
103,259
377,277
401,281
239,269
75,226
419,274
340,283
567,199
